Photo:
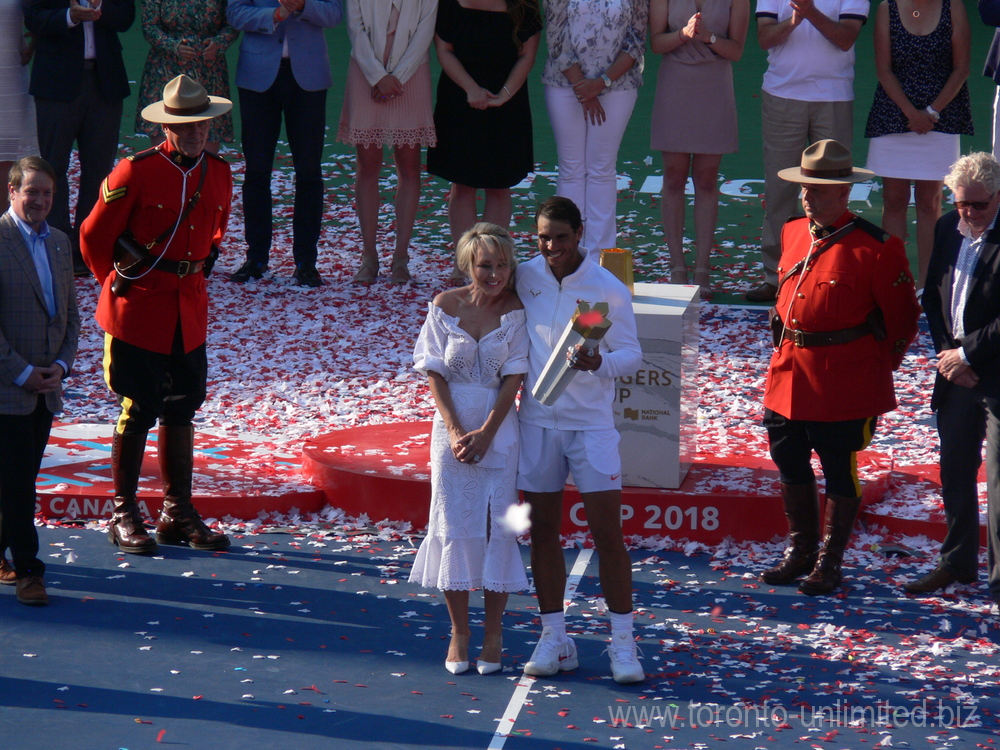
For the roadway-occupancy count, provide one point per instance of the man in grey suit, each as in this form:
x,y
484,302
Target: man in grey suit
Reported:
x,y
39,324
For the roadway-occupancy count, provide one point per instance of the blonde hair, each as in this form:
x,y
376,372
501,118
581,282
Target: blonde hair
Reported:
x,y
489,238
978,168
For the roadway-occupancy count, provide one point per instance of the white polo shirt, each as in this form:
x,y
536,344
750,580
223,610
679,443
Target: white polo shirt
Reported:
x,y
808,67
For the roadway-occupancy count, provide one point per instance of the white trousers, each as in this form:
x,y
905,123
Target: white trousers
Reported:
x,y
588,159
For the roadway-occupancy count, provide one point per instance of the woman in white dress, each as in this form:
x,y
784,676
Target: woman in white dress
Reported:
x,y
18,135
473,347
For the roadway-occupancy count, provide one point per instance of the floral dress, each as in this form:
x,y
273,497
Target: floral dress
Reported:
x,y
167,23
467,546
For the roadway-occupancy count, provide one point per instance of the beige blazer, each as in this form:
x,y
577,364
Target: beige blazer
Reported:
x,y
27,335
367,21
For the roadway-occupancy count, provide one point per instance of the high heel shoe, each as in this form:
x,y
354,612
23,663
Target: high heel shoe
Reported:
x,y
400,271
368,271
460,644
679,274
492,648
702,277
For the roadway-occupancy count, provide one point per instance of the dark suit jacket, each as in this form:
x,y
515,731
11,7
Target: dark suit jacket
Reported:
x,y
989,12
982,309
28,336
57,72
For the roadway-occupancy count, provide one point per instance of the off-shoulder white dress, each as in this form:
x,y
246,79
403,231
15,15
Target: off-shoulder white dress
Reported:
x,y
466,546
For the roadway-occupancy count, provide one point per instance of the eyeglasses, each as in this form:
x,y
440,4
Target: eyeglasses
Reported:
x,y
978,205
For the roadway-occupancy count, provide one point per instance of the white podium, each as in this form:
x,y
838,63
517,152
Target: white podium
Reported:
x,y
656,409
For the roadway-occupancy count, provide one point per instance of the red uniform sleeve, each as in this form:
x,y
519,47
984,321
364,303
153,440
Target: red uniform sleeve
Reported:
x,y
108,219
224,224
892,287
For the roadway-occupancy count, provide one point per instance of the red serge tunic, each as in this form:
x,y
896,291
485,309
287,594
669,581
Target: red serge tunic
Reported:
x,y
145,193
864,269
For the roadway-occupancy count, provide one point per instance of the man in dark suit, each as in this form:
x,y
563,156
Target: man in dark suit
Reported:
x,y
39,324
962,302
989,12
78,80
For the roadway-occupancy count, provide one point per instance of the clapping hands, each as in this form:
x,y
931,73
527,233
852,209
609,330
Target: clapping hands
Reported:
x,y
80,13
693,28
287,7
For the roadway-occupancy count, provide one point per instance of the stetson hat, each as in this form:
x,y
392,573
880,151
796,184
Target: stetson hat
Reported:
x,y
826,162
185,100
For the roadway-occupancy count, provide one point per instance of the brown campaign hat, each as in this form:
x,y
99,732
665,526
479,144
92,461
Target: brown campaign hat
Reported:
x,y
826,162
185,100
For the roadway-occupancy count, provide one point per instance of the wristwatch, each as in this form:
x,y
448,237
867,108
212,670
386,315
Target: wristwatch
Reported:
x,y
712,39
607,81
935,115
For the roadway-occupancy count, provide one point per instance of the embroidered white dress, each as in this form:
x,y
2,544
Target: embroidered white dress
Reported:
x,y
467,546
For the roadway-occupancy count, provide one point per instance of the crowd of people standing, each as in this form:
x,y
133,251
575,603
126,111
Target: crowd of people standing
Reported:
x,y
477,127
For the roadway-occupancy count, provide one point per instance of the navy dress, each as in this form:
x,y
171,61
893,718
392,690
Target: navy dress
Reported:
x,y
482,148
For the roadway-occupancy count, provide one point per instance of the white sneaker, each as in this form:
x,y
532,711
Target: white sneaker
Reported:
x,y
554,653
625,666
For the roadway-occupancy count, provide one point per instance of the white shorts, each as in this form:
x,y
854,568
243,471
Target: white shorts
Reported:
x,y
548,456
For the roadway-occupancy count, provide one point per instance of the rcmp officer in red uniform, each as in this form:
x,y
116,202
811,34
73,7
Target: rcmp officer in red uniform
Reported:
x,y
150,241
846,311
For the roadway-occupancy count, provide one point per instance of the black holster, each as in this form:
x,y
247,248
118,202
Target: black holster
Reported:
x,y
130,258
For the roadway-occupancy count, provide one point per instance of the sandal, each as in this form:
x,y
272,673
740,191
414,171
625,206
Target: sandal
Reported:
x,y
679,274
400,272
702,277
368,271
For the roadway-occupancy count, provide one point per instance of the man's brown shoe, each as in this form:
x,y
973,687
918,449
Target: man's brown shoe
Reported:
x,y
763,292
936,580
8,577
31,590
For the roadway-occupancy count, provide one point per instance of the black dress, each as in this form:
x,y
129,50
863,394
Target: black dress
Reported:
x,y
482,148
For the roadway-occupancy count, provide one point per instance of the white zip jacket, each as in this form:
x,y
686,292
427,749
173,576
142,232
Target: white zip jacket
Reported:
x,y
587,402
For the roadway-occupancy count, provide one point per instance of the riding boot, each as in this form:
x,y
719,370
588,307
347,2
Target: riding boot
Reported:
x,y
179,521
839,516
802,511
127,530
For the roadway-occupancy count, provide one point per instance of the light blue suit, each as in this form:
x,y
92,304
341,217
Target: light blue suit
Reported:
x,y
260,50
272,88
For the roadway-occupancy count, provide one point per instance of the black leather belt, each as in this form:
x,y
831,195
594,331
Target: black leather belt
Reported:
x,y
179,267
826,338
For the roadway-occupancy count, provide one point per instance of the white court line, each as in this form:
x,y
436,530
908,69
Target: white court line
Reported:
x,y
524,684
